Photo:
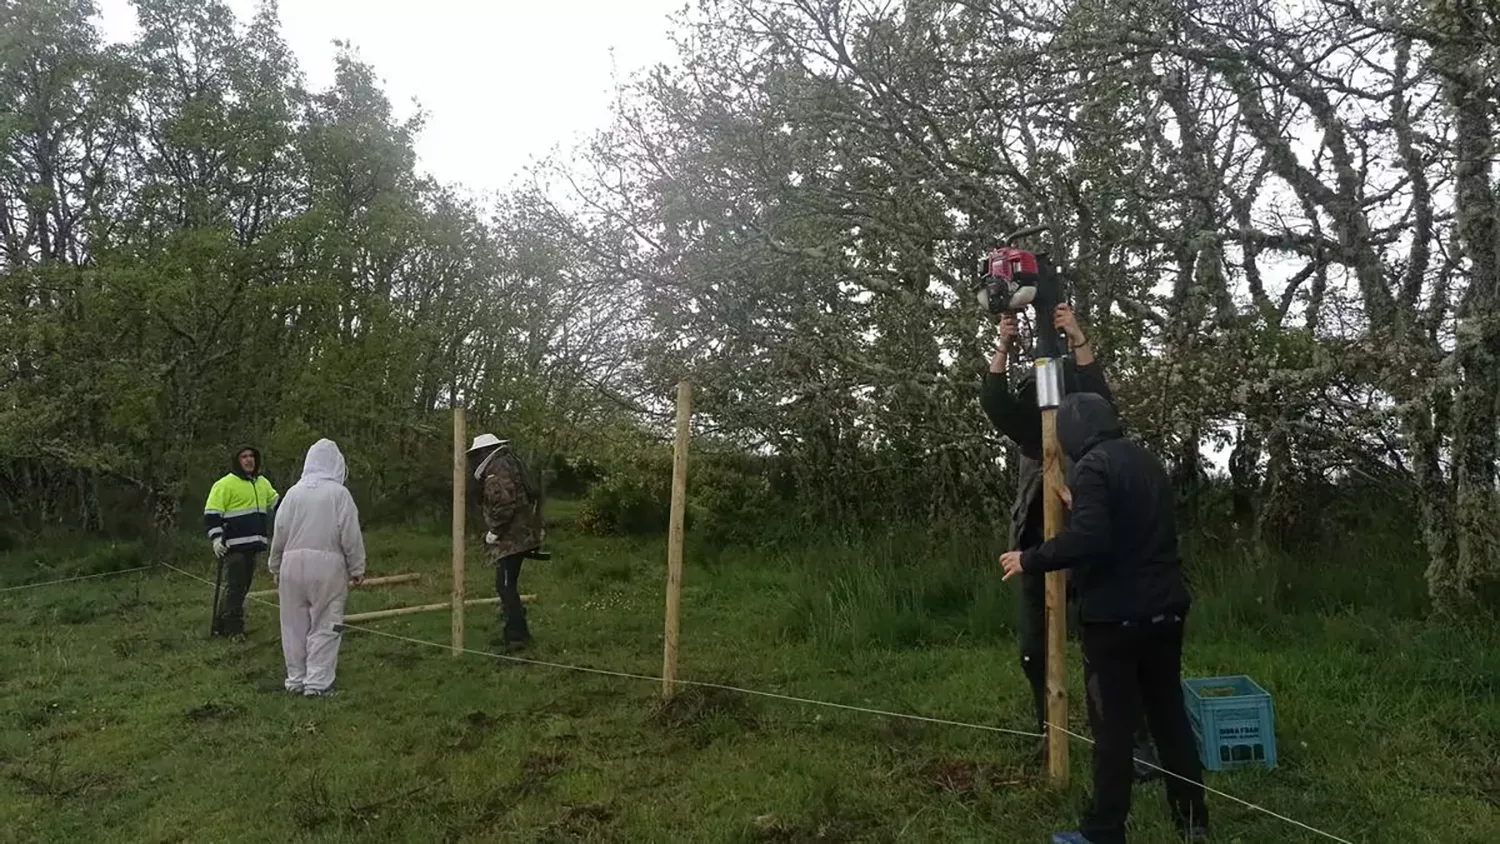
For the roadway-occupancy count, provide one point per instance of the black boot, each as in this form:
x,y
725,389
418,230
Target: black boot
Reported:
x,y
229,626
516,635
511,635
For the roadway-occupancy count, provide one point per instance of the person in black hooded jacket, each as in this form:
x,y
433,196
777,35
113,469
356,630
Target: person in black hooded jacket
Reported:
x,y
1121,546
1015,414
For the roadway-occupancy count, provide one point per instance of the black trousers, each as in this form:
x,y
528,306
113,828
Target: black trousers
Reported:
x,y
239,571
507,577
1033,639
1130,670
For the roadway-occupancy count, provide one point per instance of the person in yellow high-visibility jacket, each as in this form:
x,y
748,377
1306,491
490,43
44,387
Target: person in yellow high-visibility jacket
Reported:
x,y
238,517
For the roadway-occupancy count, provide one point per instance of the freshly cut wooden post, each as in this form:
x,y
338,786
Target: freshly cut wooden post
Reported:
x,y
1057,607
390,613
391,579
460,476
674,535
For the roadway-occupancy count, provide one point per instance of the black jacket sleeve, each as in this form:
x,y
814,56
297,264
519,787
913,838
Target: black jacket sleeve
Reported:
x,y
1087,534
1091,380
1009,416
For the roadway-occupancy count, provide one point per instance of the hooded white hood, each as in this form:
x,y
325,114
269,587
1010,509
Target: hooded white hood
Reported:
x,y
317,524
324,464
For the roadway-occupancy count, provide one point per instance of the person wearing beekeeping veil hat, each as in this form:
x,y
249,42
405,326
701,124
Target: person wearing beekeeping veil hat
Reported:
x,y
317,552
513,520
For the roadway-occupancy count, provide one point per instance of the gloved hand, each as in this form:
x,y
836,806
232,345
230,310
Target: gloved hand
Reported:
x,y
220,548
490,538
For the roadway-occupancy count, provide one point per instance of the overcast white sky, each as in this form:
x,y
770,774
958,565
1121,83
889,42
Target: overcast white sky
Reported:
x,y
502,81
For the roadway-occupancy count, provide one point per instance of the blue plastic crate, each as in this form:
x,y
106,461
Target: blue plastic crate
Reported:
x,y
1233,729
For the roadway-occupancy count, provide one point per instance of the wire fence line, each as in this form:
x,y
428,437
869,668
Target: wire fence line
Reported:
x,y
793,699
59,582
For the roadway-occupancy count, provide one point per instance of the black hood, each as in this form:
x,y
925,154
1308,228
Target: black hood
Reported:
x,y
234,460
1083,421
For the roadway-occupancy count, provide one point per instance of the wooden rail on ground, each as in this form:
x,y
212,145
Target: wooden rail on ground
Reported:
x,y
387,580
391,613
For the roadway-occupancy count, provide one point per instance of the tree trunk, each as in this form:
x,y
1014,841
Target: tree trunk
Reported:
x,y
1424,424
1243,462
164,515
1477,401
1273,524
1187,475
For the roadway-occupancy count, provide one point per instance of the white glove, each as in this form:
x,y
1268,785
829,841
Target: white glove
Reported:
x,y
490,538
220,549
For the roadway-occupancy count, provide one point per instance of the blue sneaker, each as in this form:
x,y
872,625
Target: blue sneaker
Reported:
x,y
1069,838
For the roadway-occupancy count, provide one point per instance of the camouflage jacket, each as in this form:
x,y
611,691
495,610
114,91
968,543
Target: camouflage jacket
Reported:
x,y
512,509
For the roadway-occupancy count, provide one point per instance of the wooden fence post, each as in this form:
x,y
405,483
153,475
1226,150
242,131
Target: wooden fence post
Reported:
x,y
460,491
1049,396
674,535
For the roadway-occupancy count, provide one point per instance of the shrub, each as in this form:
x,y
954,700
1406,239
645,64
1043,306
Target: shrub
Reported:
x,y
571,477
729,501
626,504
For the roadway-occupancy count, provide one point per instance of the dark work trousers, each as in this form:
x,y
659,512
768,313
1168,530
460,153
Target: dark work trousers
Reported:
x,y
239,570
1033,636
1129,669
507,575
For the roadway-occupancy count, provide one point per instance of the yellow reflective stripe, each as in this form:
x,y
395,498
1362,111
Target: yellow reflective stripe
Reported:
x,y
248,511
244,540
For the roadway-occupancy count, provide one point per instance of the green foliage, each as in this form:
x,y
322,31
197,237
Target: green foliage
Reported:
x,y
910,588
730,499
905,589
211,253
198,248
626,504
815,215
568,476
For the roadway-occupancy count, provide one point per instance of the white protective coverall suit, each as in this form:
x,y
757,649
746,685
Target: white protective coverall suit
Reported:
x,y
316,549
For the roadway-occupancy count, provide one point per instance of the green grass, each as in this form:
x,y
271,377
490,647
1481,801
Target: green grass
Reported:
x,y
120,720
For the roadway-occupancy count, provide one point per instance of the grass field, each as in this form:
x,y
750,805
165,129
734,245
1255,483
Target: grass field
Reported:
x,y
121,721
